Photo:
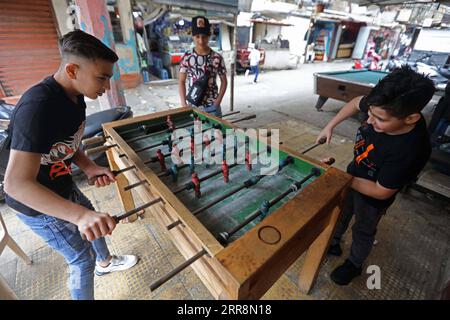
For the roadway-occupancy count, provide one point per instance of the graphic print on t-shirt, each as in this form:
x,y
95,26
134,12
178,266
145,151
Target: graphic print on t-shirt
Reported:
x,y
61,151
362,151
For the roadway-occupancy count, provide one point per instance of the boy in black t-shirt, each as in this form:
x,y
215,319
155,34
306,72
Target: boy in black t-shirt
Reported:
x,y
390,151
47,126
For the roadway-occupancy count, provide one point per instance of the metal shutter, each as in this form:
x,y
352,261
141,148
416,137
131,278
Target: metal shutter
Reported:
x,y
28,44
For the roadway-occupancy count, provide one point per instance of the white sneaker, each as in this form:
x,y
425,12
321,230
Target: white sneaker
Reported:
x,y
117,263
247,72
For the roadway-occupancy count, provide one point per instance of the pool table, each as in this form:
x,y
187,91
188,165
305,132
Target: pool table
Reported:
x,y
344,85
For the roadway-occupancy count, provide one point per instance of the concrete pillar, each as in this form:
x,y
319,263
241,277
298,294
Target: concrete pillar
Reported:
x,y
94,19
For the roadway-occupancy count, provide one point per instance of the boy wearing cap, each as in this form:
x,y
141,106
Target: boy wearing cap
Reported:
x,y
201,61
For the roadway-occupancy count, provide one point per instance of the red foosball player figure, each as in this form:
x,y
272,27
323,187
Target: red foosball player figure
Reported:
x,y
248,161
225,171
196,181
161,159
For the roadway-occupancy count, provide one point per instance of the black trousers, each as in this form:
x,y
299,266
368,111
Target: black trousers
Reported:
x,y
364,228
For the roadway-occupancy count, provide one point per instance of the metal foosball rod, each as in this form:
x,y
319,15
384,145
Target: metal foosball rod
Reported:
x,y
94,140
155,285
320,142
161,174
137,209
230,114
147,127
265,206
92,151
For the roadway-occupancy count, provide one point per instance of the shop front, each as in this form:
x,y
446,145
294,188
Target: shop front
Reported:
x,y
168,35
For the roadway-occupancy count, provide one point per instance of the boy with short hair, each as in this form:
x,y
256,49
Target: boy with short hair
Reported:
x,y
200,61
390,151
47,127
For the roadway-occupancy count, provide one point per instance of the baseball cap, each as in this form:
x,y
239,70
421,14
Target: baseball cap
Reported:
x,y
200,25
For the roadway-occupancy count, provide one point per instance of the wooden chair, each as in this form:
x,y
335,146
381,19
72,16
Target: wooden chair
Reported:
x,y
6,293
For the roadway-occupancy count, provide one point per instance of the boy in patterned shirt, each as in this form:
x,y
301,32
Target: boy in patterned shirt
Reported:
x,y
201,60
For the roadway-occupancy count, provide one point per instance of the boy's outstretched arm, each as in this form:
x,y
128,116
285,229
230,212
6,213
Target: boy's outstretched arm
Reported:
x,y
372,189
350,109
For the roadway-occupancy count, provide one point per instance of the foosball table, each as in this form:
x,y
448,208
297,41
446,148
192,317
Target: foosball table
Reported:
x,y
239,222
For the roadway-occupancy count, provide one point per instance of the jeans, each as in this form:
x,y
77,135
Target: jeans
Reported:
x,y
65,238
255,70
364,228
212,109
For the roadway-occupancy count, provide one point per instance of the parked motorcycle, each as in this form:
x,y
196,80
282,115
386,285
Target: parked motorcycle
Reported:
x,y
93,128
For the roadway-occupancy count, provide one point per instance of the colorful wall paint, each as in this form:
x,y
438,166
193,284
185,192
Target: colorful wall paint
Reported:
x,y
127,52
95,20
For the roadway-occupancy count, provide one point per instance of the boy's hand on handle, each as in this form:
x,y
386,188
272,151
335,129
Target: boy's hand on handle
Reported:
x,y
99,176
326,133
94,225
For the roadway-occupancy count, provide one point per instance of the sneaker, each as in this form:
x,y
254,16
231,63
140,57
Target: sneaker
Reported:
x,y
247,72
117,263
335,250
345,273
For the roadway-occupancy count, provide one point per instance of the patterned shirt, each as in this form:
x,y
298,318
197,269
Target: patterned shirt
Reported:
x,y
195,66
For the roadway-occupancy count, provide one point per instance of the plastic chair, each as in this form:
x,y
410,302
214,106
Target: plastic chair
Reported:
x,y
6,293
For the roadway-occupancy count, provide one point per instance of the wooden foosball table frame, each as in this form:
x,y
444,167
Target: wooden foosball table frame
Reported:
x,y
249,266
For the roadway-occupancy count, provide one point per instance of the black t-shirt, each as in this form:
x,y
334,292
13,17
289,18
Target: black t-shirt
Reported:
x,y
391,160
48,122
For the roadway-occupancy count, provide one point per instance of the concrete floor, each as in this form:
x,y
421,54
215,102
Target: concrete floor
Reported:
x,y
412,247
